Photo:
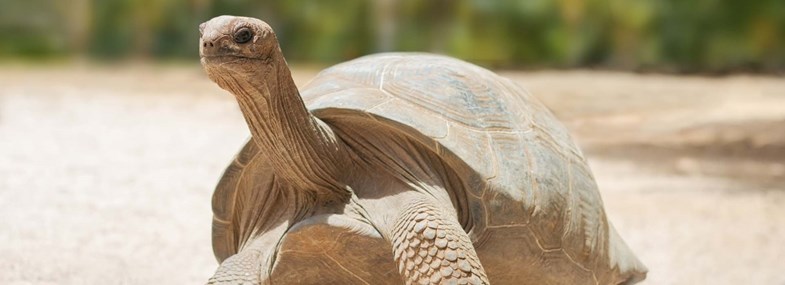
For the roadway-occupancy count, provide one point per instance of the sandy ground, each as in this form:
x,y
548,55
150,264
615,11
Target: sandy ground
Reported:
x,y
106,173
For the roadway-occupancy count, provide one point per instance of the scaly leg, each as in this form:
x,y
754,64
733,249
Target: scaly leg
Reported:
x,y
430,247
251,264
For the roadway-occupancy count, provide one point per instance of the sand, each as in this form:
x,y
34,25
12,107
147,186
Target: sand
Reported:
x,y
106,173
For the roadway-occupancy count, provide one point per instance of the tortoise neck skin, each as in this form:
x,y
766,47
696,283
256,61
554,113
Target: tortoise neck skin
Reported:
x,y
303,150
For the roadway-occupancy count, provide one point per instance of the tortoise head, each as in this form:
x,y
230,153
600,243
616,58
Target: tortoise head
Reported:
x,y
242,48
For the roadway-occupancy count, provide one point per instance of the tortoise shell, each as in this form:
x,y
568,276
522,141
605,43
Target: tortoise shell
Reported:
x,y
523,177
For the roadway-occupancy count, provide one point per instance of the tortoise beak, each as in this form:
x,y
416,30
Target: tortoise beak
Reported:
x,y
211,47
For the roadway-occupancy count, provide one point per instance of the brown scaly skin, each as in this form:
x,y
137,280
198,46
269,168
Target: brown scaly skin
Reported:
x,y
303,150
348,198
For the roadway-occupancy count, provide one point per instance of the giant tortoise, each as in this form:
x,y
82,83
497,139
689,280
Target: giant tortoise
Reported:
x,y
399,168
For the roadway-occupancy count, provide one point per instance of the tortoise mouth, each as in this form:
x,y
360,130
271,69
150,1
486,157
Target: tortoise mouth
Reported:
x,y
234,62
210,59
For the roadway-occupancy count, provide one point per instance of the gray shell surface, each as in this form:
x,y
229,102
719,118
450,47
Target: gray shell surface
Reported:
x,y
527,172
529,196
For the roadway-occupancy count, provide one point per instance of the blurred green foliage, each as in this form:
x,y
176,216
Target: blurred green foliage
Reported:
x,y
670,35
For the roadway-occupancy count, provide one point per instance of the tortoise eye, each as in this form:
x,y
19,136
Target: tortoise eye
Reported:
x,y
242,35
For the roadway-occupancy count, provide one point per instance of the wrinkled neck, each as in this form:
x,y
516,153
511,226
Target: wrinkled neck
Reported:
x,y
302,149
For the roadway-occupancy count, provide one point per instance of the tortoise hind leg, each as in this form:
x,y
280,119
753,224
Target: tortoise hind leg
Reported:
x,y
430,247
625,265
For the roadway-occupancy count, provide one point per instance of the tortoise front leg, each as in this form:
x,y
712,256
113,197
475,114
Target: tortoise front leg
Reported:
x,y
241,268
252,264
431,247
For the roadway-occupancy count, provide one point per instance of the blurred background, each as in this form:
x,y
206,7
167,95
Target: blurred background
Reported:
x,y
112,138
664,35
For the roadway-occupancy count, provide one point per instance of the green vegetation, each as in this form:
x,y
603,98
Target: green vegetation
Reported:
x,y
670,35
